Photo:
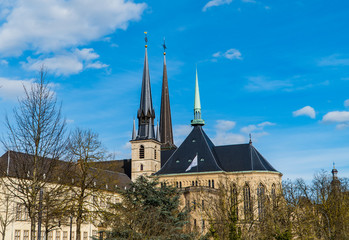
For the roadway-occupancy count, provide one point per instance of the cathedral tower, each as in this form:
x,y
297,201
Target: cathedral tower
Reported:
x,y
145,145
165,113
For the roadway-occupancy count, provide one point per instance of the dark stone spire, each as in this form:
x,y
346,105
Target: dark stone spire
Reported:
x,y
146,113
166,134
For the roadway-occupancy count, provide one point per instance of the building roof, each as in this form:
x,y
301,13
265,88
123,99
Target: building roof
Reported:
x,y
211,158
20,165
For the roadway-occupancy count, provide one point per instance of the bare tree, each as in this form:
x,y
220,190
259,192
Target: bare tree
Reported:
x,y
7,213
35,141
85,149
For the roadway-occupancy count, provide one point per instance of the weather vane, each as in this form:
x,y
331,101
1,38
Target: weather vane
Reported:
x,y
164,45
250,138
146,39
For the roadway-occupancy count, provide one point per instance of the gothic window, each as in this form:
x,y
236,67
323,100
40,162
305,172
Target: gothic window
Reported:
x,y
180,184
141,167
196,183
155,153
192,183
273,192
177,184
234,199
209,183
141,151
212,183
261,199
247,203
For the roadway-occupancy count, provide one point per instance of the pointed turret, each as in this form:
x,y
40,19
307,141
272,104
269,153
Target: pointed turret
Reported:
x,y
157,132
134,130
197,105
165,113
146,113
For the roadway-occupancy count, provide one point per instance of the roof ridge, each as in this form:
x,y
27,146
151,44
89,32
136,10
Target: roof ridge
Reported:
x,y
258,156
214,158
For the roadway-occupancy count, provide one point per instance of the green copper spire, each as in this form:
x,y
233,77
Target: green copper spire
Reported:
x,y
197,105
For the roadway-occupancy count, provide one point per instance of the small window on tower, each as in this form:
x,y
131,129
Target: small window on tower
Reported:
x,y
141,151
141,167
155,153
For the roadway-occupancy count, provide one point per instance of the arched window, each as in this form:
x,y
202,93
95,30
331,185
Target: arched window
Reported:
x,y
196,183
141,167
273,192
209,183
212,183
261,200
141,151
234,199
192,183
180,184
247,203
155,153
177,184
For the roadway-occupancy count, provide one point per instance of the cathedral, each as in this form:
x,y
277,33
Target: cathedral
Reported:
x,y
197,162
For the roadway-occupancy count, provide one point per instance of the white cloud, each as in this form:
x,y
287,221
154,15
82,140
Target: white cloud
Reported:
x,y
66,63
225,125
257,130
3,62
229,54
305,111
11,89
249,1
180,132
336,116
215,3
263,84
224,136
334,60
48,26
346,103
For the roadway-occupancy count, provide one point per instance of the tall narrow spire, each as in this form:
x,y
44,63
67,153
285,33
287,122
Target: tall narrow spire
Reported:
x,y
146,113
166,134
197,105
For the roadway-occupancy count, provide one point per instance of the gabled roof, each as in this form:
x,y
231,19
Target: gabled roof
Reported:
x,y
229,158
197,143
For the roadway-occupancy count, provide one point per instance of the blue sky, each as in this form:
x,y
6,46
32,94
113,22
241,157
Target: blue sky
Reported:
x,y
276,69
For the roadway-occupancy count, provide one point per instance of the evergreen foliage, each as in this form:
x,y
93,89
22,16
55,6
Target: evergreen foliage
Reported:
x,y
147,211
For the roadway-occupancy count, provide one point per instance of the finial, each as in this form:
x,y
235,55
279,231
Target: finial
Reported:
x,y
197,105
164,46
334,167
250,138
146,39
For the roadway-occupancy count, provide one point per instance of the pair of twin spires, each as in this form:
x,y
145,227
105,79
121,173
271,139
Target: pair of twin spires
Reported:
x,y
146,113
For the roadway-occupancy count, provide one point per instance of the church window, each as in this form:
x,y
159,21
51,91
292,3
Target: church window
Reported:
x,y
234,199
196,183
155,153
247,203
194,205
141,167
192,183
273,192
180,184
209,183
177,184
261,200
141,151
212,183
195,223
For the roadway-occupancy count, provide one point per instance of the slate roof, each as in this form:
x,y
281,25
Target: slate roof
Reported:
x,y
211,158
21,165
